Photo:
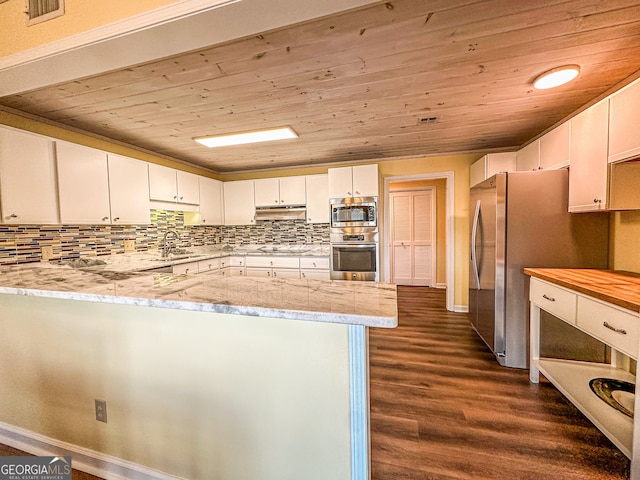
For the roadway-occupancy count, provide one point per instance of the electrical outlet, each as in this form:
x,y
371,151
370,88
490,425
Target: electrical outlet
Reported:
x,y
47,253
101,410
129,245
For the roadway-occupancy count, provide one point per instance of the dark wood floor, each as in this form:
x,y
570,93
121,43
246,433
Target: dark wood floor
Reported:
x,y
442,408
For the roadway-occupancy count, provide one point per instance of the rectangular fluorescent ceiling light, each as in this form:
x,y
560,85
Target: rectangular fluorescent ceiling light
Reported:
x,y
281,133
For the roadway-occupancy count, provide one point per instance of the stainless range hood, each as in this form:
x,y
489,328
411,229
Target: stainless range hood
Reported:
x,y
291,212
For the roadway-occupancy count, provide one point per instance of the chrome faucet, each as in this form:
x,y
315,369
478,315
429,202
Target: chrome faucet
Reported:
x,y
166,245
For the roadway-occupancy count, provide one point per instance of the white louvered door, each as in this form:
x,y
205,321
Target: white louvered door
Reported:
x,y
413,237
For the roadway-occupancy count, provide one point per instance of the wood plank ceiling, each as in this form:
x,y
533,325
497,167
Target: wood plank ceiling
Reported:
x,y
355,85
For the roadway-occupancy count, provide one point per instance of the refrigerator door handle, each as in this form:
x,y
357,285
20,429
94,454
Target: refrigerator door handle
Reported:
x,y
474,234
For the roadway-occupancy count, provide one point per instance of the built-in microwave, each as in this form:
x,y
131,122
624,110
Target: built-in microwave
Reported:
x,y
353,212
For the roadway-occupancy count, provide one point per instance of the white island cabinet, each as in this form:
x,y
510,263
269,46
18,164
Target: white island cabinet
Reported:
x,y
581,298
270,375
83,184
27,188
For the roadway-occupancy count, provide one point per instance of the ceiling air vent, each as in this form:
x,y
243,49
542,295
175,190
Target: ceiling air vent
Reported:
x,y
427,120
43,10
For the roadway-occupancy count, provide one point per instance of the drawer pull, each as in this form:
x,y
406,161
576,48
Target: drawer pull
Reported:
x,y
551,299
617,330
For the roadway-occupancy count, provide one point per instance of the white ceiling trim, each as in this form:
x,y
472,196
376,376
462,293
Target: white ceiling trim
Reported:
x,y
170,30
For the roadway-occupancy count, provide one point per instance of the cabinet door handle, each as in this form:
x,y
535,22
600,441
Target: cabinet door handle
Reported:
x,y
551,299
597,200
13,215
274,274
116,219
104,219
622,331
357,192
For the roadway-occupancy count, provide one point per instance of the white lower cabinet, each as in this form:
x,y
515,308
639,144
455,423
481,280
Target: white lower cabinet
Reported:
x,y
616,327
210,265
273,266
314,268
233,266
311,268
190,268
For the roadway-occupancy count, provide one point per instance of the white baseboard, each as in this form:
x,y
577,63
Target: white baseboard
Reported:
x,y
461,308
440,285
83,459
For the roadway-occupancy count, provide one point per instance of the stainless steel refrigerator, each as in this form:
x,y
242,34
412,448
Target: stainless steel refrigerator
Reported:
x,y
521,220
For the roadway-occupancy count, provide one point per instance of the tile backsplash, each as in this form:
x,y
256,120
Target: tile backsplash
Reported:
x,y
23,243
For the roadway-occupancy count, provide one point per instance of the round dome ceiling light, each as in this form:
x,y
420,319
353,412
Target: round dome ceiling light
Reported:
x,y
556,77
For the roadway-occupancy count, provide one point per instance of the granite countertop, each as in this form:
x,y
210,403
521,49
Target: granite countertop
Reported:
x,y
616,287
139,261
357,303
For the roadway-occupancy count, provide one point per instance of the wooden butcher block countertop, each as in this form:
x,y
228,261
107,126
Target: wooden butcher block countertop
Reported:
x,y
612,286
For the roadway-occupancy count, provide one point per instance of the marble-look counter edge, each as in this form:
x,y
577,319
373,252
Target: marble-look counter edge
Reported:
x,y
168,301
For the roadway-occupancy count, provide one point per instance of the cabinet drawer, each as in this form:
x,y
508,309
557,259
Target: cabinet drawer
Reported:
x,y
208,265
614,326
321,263
553,299
315,274
190,268
273,261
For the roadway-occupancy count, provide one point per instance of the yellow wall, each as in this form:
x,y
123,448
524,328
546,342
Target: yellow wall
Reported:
x,y
459,165
625,241
29,125
80,16
441,220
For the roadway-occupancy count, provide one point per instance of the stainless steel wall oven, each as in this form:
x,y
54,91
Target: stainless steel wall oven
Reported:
x,y
354,256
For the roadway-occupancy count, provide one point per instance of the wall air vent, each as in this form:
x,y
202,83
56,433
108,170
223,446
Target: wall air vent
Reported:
x,y
42,10
427,120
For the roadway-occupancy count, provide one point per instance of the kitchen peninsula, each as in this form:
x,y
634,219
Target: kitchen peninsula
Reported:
x,y
204,376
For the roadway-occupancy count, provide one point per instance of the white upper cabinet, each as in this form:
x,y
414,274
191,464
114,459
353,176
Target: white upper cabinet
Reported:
x,y
188,187
129,189
528,158
624,124
292,191
83,184
211,201
491,164
554,147
267,192
239,203
271,192
27,179
317,187
171,185
359,181
588,170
